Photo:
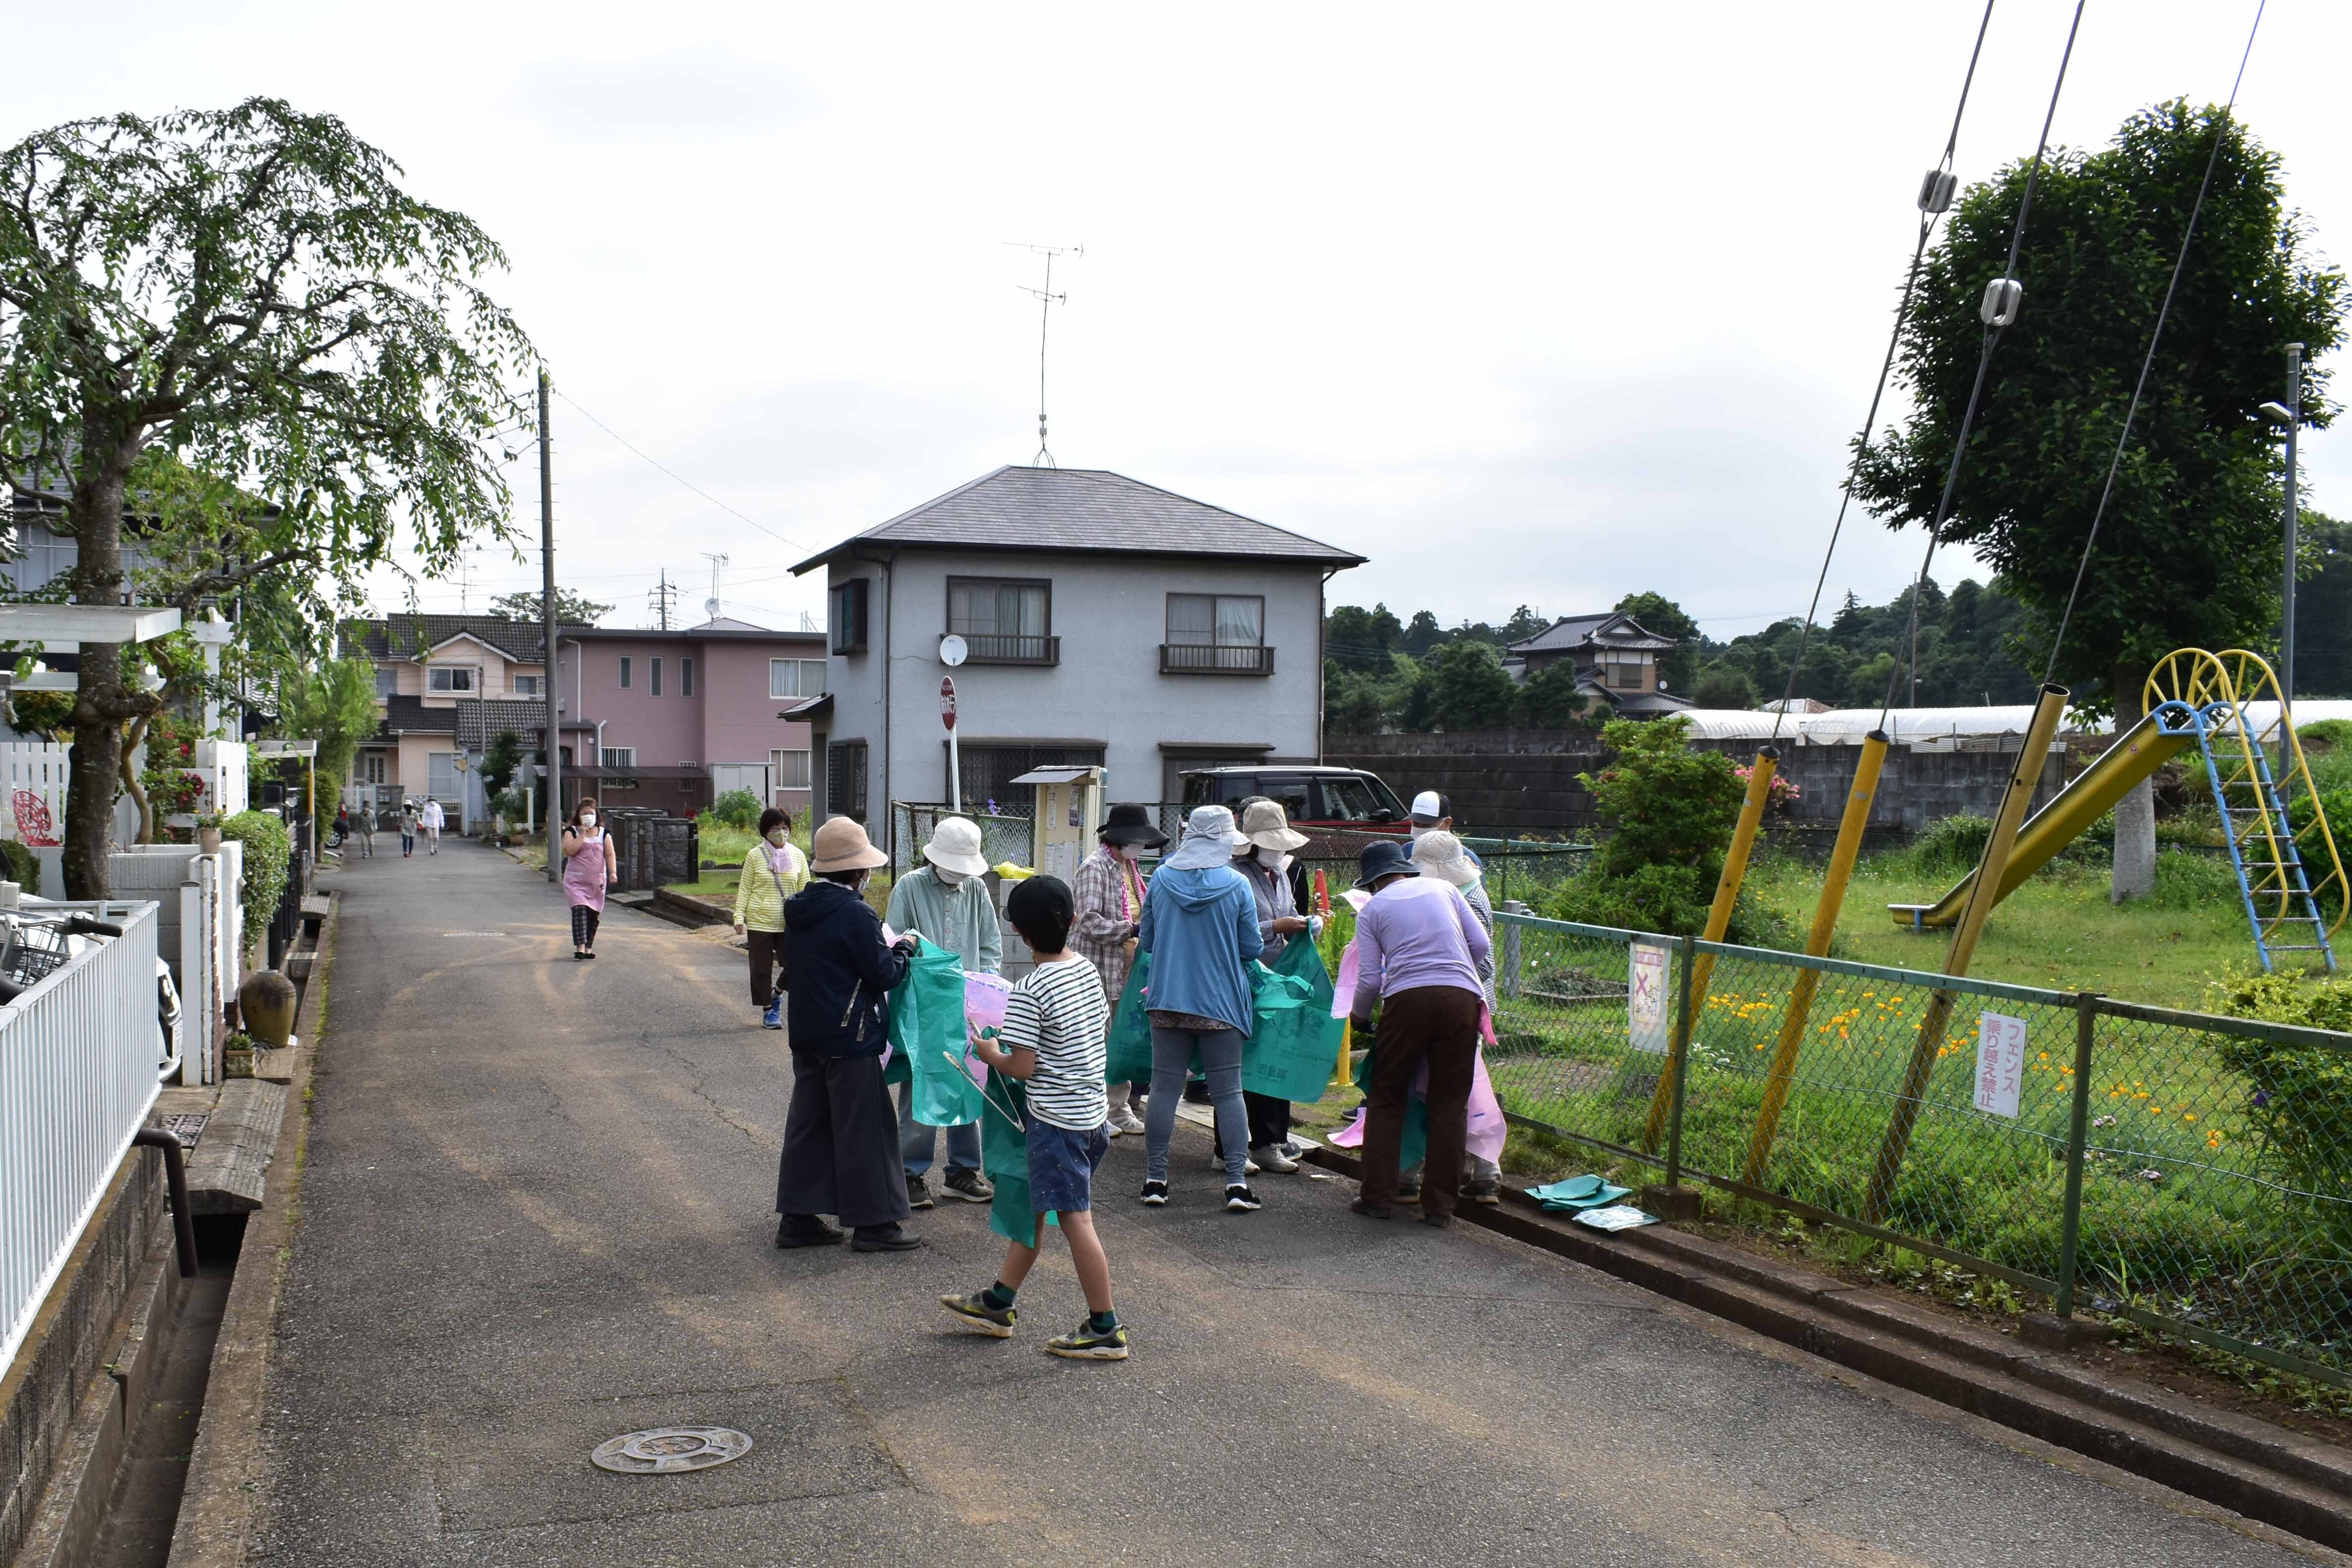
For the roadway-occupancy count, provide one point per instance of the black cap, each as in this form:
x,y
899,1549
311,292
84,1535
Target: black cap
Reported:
x,y
1384,858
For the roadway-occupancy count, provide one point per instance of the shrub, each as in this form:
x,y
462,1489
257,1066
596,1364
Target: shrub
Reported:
x,y
268,855
1668,805
2330,733
737,808
2298,1098
24,866
1952,844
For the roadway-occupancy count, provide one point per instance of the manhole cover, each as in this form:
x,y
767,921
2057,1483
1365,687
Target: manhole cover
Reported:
x,y
668,1450
187,1126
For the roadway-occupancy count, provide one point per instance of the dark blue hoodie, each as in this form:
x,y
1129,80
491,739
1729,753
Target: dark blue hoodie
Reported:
x,y
841,972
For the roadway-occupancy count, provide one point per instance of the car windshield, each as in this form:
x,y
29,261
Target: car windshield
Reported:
x,y
1347,799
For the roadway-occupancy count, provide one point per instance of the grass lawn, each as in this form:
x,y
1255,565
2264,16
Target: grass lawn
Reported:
x,y
727,845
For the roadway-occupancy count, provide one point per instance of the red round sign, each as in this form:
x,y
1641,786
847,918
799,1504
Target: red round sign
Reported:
x,y
947,702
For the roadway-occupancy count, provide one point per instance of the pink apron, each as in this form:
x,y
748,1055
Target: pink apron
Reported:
x,y
584,873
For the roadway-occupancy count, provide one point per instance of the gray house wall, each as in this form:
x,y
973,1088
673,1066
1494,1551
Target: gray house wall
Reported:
x,y
1110,613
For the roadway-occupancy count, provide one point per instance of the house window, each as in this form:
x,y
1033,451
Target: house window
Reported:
x,y
625,672
444,677
686,677
1003,620
849,616
789,769
388,681
1217,634
529,686
1622,675
620,756
653,676
372,768
845,779
441,776
796,677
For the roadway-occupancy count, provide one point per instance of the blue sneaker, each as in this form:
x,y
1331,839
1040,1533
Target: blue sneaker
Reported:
x,y
774,1018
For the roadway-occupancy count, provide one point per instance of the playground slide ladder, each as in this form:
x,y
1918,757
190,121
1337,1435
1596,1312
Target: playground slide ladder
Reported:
x,y
2209,693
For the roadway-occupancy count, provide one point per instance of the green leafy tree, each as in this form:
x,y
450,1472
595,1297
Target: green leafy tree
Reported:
x,y
332,703
1722,684
1670,811
2188,547
1423,633
1358,639
1658,614
500,757
1550,699
237,325
570,609
1472,690
1525,622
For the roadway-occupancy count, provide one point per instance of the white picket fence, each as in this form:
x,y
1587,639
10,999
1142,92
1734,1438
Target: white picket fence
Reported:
x,y
200,932
33,777
77,1057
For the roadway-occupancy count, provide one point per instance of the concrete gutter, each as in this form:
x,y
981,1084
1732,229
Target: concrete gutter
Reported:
x,y
220,1511
2259,1469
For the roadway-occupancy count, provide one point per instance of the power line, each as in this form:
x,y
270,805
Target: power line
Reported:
x,y
681,479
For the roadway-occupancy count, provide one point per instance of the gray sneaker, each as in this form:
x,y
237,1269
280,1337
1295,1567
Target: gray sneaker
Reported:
x,y
969,1185
919,1193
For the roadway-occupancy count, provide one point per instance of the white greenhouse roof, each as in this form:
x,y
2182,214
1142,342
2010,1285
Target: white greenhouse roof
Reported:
x,y
1847,726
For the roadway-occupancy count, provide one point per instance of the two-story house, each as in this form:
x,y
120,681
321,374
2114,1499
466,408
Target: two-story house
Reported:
x,y
1101,620
1617,661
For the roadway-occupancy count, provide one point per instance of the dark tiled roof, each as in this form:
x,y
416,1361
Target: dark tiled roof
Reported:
x,y
410,636
650,771
1612,630
409,716
1086,509
480,718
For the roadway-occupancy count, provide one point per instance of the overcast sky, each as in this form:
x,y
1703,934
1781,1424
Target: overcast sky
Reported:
x,y
1545,304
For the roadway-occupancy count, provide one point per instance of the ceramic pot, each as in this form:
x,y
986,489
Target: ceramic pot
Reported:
x,y
208,840
266,1002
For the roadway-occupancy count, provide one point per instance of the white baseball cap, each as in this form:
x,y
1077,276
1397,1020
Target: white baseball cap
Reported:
x,y
1429,803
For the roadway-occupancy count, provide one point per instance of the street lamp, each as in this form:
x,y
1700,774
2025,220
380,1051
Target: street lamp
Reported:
x,y
2289,413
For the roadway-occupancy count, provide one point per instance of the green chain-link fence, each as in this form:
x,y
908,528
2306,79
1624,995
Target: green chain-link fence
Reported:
x,y
2188,1171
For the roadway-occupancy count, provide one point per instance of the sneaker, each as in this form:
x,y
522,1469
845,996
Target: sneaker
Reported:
x,y
1270,1157
1154,1194
890,1237
1110,1127
1410,1195
994,1321
919,1193
1371,1210
1290,1149
1439,1221
1127,1121
969,1185
1487,1193
1241,1200
805,1230
1082,1344
773,1017
1217,1163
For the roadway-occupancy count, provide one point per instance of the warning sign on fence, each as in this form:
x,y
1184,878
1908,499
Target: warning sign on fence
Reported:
x,y
1645,996
2000,1063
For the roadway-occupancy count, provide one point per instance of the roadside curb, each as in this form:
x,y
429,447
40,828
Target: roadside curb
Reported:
x,y
2259,1469
223,1499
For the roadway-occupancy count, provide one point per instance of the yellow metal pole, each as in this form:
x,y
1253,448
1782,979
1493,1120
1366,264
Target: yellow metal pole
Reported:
x,y
1719,914
1799,1011
2032,758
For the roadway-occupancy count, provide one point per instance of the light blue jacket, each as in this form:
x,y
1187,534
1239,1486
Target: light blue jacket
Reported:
x,y
1200,930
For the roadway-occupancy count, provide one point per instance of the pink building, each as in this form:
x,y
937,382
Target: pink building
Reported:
x,y
674,718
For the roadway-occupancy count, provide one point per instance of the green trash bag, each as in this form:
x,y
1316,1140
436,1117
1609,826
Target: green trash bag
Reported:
x,y
1294,1040
1005,1157
1127,1051
927,1027
1412,1145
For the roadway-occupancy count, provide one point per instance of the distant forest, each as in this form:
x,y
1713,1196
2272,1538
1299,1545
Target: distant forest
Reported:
x,y
1384,673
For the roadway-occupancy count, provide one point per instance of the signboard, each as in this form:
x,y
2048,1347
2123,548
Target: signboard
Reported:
x,y
947,702
2001,1064
1646,997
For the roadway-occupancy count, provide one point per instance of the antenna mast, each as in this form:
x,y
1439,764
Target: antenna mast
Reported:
x,y
1046,300
718,560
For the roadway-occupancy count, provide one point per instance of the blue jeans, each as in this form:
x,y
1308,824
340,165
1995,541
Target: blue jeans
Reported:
x,y
1221,1060
918,1140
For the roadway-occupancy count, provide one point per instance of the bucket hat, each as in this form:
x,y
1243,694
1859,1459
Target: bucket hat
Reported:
x,y
1133,825
1210,839
955,846
1439,854
1268,826
841,845
1384,858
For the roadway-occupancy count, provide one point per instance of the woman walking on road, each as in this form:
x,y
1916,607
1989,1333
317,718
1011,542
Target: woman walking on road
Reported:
x,y
773,872
407,828
589,867
1200,926
1109,894
841,1143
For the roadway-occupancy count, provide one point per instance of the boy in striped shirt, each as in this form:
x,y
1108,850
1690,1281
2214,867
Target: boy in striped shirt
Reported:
x,y
1054,1023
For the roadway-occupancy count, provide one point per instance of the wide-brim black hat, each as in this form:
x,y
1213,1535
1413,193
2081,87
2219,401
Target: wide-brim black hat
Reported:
x,y
1133,825
1384,858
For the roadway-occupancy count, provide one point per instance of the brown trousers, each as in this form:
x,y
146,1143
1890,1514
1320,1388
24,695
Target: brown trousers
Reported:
x,y
767,952
1439,1025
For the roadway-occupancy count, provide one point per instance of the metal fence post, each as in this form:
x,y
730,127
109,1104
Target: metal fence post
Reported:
x,y
2078,1133
1509,979
1685,949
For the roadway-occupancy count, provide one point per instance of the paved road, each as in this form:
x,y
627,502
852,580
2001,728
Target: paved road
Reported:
x,y
536,1214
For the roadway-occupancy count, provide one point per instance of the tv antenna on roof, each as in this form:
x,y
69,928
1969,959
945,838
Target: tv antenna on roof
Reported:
x,y
1046,300
718,560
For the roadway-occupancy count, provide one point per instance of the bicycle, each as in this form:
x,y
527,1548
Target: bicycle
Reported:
x,y
33,947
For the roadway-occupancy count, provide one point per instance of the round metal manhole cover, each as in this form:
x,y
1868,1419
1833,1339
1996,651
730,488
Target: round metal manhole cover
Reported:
x,y
670,1450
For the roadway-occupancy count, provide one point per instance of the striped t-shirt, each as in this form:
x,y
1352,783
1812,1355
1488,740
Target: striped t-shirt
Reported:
x,y
1057,1011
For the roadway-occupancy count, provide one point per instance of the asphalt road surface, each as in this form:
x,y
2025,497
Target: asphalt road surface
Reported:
x,y
536,1214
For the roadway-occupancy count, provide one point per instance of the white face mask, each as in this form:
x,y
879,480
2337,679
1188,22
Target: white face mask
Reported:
x,y
587,819
1270,859
946,877
1128,852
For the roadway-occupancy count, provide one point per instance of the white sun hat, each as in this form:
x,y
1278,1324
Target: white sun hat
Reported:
x,y
955,846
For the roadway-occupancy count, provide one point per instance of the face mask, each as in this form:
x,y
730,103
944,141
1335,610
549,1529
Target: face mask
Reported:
x,y
946,877
1128,852
1417,831
778,837
1270,859
587,819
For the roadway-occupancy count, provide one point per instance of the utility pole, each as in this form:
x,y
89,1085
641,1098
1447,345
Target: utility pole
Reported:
x,y
661,596
547,607
2287,613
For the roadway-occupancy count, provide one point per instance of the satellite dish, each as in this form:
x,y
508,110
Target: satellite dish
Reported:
x,y
711,608
952,650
